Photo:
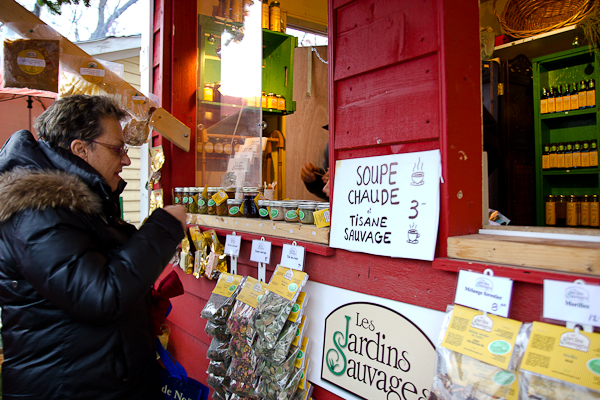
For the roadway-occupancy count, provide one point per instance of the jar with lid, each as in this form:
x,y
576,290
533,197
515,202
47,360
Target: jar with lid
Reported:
x,y
594,211
234,208
178,199
250,206
290,211
221,207
550,210
271,101
193,200
263,209
280,102
186,199
230,192
202,201
572,211
275,16
276,210
212,205
305,212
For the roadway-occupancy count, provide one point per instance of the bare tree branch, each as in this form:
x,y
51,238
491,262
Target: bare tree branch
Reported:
x,y
103,27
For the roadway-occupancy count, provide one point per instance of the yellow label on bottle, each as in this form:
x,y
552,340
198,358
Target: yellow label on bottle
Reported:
x,y
550,213
544,106
281,104
553,161
563,354
286,282
574,102
590,98
265,15
585,159
569,160
566,103
572,217
227,284
594,214
576,159
546,161
585,214
551,106
272,102
251,290
582,100
208,94
487,338
560,161
559,104
593,158
275,19
32,62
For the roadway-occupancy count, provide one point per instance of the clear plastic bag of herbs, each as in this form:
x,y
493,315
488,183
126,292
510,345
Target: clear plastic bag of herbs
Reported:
x,y
276,352
278,374
243,389
241,372
218,307
218,367
218,331
219,384
271,391
238,326
218,350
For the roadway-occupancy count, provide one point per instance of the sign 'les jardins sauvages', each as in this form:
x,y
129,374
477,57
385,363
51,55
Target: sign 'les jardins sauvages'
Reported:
x,y
376,353
388,205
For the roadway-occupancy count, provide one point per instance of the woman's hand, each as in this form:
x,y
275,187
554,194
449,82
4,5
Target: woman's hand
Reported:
x,y
178,212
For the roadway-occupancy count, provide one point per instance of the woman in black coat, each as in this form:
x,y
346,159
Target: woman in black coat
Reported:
x,y
75,278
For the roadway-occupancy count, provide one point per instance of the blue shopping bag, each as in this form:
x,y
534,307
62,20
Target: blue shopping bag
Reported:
x,y
174,381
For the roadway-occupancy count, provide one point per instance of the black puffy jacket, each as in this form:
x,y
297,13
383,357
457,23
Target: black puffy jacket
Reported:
x,y
75,280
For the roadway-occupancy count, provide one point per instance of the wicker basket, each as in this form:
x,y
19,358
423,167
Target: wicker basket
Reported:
x,y
525,18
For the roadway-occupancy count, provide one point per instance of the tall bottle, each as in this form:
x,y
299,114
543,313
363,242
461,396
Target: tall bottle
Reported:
x,y
560,155
585,154
265,14
574,97
590,99
552,158
582,94
593,153
546,156
275,16
566,98
551,101
577,155
544,101
558,99
569,155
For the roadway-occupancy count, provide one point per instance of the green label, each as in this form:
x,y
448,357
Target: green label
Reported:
x,y
263,212
504,378
259,297
176,200
274,213
185,200
297,332
211,203
291,214
295,308
201,202
232,288
292,287
300,355
499,347
594,365
301,214
234,210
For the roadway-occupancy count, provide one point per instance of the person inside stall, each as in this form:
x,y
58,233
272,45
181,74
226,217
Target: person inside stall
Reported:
x,y
75,279
316,178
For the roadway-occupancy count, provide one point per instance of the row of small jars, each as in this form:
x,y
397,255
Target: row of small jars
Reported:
x,y
278,210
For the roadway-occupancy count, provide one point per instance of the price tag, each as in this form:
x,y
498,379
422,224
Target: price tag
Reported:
x,y
484,292
573,302
232,245
261,251
292,256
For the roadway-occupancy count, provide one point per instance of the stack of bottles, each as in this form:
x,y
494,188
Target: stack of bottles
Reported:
x,y
572,211
567,155
568,97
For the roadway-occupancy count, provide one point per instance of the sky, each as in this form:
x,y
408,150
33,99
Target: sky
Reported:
x,y
128,23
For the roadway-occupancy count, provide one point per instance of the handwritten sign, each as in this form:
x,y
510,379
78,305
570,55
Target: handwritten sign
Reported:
x,y
232,245
292,257
572,302
388,205
261,251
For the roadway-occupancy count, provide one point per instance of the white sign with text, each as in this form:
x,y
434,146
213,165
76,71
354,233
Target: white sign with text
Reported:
x,y
238,164
292,257
387,205
572,302
484,292
232,245
261,251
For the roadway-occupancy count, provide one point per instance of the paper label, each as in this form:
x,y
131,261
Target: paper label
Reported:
x,y
490,339
298,307
484,292
286,282
572,302
31,62
227,284
292,257
232,245
261,251
322,218
92,72
251,290
560,353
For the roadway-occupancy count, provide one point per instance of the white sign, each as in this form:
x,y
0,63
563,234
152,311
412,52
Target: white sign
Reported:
x,y
232,245
245,155
257,142
238,164
388,205
568,301
261,251
484,292
292,257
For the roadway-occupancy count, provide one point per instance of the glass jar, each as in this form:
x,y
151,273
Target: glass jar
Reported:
x,y
280,102
250,207
234,208
186,199
290,211
212,205
305,212
276,207
178,199
193,200
263,209
230,192
202,201
221,209
271,101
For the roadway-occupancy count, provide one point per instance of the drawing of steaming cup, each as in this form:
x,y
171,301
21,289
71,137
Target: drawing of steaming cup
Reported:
x,y
417,178
413,236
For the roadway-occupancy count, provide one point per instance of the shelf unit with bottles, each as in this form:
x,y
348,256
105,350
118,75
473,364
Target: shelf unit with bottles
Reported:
x,y
579,125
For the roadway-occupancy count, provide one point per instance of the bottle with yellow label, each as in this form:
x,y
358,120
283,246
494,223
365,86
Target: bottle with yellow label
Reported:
x,y
264,100
574,97
558,100
560,155
208,92
218,147
271,101
550,210
582,94
544,101
593,153
566,100
585,154
551,101
572,214
569,155
584,215
280,102
546,156
577,155
209,147
265,14
275,16
552,157
594,211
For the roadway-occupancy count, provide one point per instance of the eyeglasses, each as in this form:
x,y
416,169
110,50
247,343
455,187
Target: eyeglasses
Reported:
x,y
119,150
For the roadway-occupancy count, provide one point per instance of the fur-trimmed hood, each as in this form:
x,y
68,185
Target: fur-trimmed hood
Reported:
x,y
22,189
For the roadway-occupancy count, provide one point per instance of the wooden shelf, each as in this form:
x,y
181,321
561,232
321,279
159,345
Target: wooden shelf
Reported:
x,y
570,113
574,171
287,230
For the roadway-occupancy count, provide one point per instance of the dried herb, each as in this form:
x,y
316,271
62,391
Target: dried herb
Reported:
x,y
271,313
219,384
218,307
277,374
218,367
287,392
218,350
242,389
271,391
240,330
218,331
277,352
